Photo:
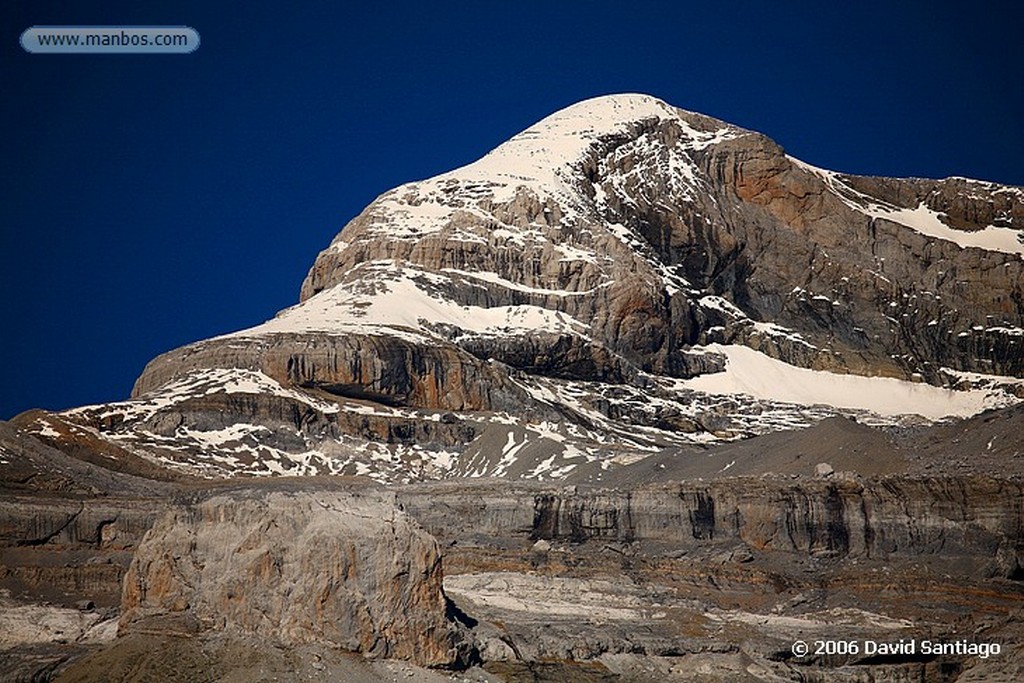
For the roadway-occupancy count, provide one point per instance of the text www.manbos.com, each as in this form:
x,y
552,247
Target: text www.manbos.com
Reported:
x,y
110,39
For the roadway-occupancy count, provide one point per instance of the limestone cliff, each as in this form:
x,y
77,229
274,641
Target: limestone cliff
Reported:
x,y
342,568
965,519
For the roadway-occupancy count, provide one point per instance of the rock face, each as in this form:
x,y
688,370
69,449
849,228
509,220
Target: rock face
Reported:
x,y
659,582
641,583
967,519
624,270
649,221
346,569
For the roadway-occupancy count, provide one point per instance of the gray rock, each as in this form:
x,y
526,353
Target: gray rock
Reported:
x,y
340,568
965,517
541,547
603,276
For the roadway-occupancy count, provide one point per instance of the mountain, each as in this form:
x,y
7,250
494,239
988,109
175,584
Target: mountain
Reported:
x,y
619,279
635,397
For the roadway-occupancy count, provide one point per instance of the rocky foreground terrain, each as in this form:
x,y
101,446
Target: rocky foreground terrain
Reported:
x,y
635,397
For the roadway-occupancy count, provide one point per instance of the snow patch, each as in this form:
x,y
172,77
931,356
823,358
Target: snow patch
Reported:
x,y
407,300
927,221
44,428
751,373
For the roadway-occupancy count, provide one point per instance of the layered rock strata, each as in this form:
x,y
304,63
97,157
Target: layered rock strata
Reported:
x,y
973,517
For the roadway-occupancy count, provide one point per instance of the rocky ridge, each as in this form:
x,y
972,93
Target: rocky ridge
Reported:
x,y
622,278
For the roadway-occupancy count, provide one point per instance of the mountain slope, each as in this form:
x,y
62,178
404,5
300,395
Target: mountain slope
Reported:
x,y
621,279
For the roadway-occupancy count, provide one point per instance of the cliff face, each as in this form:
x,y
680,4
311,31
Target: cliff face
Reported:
x,y
380,369
724,577
66,551
637,275
346,569
632,583
970,517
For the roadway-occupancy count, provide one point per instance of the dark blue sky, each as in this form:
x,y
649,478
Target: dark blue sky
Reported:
x,y
147,201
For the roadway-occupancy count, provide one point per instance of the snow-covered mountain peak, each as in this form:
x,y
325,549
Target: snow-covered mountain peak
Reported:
x,y
632,219
555,162
564,138
620,278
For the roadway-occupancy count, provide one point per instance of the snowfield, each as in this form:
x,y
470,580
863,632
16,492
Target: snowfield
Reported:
x,y
751,373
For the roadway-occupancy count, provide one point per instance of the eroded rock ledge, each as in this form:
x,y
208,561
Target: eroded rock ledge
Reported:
x,y
971,517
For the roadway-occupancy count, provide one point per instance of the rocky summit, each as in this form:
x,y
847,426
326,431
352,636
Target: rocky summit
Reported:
x,y
621,278
637,396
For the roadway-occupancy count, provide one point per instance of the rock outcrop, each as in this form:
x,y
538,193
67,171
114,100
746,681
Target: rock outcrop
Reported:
x,y
342,568
67,526
630,583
